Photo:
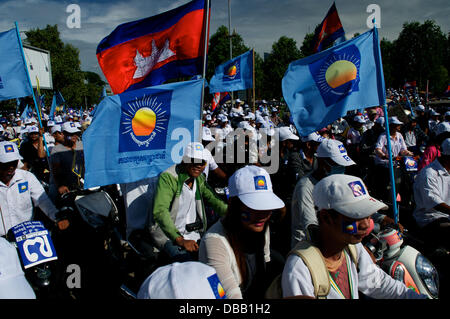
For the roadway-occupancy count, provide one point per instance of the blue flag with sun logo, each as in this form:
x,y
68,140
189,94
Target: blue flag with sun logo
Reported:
x,y
233,75
322,87
140,133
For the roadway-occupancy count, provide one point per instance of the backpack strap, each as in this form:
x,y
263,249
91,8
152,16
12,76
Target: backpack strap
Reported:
x,y
313,259
351,249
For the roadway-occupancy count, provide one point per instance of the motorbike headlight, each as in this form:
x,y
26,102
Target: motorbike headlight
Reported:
x,y
399,273
428,275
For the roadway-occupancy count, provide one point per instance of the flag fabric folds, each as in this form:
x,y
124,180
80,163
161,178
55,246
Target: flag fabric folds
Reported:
x,y
219,98
322,87
51,115
13,77
329,31
233,75
150,51
140,132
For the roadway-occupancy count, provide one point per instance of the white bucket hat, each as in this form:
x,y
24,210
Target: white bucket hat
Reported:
x,y
253,186
9,152
336,151
347,195
13,284
187,280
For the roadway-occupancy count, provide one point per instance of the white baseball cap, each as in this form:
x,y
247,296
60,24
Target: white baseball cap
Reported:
x,y
443,127
253,186
359,119
420,107
207,135
195,150
55,128
286,134
336,151
70,127
445,147
9,152
187,280
347,195
33,129
380,120
50,123
13,284
394,120
312,137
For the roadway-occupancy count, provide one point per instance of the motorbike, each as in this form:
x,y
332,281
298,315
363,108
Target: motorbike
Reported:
x,y
38,256
402,261
94,240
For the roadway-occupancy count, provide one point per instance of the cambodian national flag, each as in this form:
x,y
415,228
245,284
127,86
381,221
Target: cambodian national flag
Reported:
x,y
447,92
219,98
329,30
409,85
140,133
153,50
323,87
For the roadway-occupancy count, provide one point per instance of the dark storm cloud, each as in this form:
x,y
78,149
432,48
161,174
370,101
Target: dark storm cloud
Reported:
x,y
259,22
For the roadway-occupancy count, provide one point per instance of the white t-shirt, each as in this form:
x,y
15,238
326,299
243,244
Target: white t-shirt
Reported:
x,y
370,280
431,188
17,199
397,145
211,163
187,213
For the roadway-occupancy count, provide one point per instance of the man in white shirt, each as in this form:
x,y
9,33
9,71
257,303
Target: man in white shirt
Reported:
x,y
345,207
19,190
432,197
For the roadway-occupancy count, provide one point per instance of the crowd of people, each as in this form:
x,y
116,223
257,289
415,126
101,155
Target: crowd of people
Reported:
x,y
246,198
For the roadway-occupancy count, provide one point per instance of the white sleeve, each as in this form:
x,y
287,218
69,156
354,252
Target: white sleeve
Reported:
x,y
214,253
296,278
375,283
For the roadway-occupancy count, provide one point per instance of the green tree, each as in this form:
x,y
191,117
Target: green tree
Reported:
x,y
68,78
219,48
284,51
387,55
420,54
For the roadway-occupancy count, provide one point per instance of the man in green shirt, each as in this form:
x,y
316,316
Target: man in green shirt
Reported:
x,y
179,218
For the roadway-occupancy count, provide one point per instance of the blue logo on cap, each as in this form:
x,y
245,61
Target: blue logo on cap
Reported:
x,y
342,149
23,187
260,183
216,287
9,148
357,188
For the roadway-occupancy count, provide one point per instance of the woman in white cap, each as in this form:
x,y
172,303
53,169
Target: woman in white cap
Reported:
x,y
238,246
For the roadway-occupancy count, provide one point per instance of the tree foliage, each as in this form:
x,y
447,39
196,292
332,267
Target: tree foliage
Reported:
x,y
76,86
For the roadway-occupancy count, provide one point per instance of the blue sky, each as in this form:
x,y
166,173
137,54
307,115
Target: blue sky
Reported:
x,y
259,22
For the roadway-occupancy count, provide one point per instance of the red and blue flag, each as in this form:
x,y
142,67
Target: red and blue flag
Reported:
x,y
329,30
153,50
220,98
409,85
